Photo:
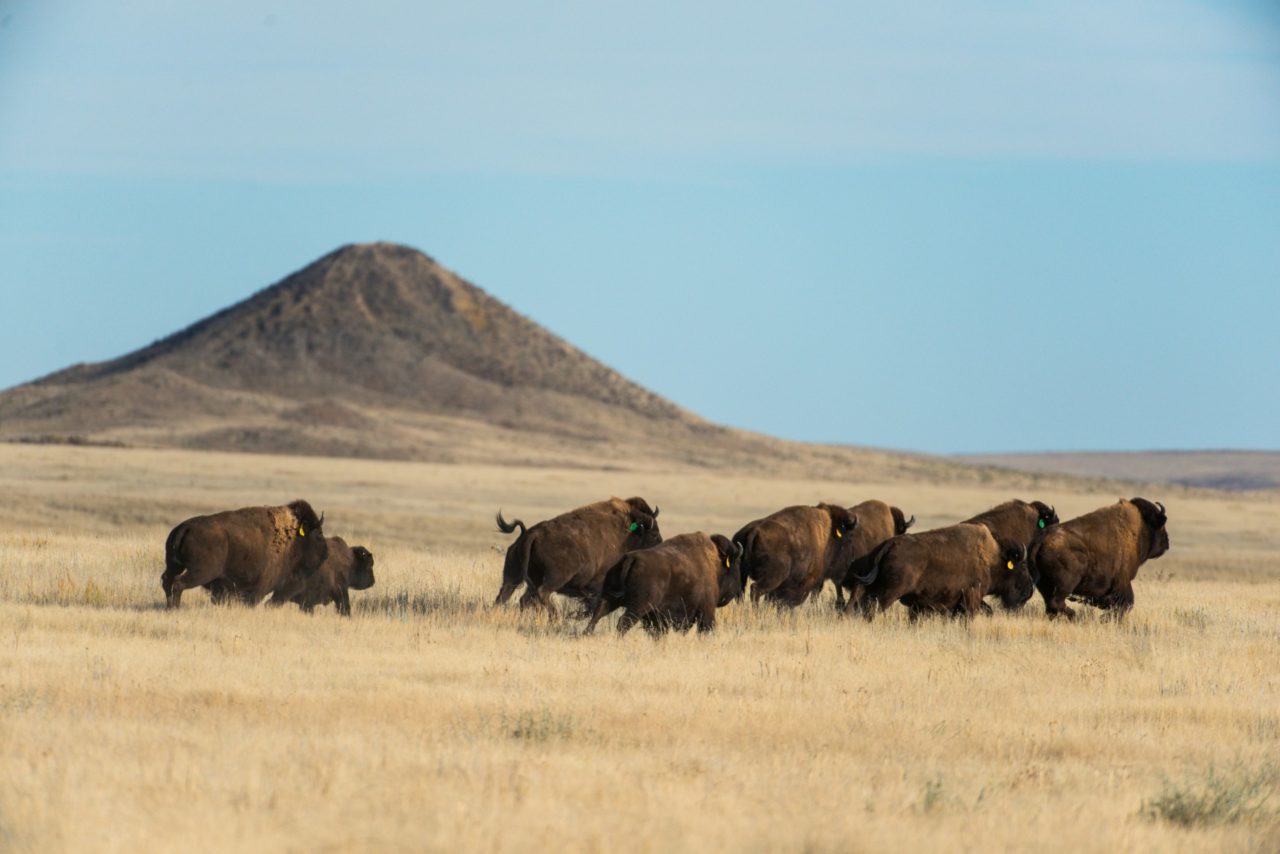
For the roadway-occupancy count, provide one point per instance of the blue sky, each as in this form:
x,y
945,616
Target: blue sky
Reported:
x,y
952,227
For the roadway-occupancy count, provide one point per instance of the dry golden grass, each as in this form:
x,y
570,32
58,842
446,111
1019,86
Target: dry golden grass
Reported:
x,y
431,721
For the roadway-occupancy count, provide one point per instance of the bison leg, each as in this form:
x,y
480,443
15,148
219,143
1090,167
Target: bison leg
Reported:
x,y
185,581
219,591
840,597
628,619
166,580
971,603
504,593
706,622
342,601
603,609
1056,605
1120,601
537,596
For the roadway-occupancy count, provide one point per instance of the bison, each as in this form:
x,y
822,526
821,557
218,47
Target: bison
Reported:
x,y
249,552
946,570
673,585
1017,521
1095,557
788,553
877,522
346,568
571,553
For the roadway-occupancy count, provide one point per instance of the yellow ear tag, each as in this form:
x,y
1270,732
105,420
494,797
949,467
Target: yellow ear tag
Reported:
x,y
838,534
726,563
1010,564
301,533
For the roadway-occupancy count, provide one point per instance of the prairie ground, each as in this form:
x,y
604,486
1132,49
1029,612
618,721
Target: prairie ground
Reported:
x,y
431,721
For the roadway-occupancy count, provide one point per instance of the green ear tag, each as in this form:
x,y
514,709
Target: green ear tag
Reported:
x,y
1041,523
632,528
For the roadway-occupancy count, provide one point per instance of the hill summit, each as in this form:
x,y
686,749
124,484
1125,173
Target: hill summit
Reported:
x,y
380,323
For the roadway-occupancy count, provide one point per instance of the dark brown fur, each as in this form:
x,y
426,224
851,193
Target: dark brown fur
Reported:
x,y
946,570
250,552
346,568
1095,557
877,522
571,553
788,553
677,584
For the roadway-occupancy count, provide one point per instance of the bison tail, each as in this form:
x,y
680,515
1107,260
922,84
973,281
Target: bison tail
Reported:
x,y
880,554
614,589
1033,557
507,527
173,548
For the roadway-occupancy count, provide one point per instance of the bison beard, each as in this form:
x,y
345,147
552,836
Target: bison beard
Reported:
x,y
249,553
1095,557
571,553
674,585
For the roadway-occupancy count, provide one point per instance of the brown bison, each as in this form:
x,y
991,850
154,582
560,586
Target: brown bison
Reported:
x,y
677,584
249,552
788,553
571,553
1094,558
1017,521
877,522
946,570
346,568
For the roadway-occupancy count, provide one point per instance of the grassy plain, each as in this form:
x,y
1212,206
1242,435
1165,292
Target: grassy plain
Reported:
x,y
430,721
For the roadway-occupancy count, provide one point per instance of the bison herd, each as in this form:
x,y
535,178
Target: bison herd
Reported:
x,y
611,555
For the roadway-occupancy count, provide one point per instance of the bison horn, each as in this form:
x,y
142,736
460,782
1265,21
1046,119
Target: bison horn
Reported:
x,y
738,550
1162,511
1022,552
320,524
655,512
909,522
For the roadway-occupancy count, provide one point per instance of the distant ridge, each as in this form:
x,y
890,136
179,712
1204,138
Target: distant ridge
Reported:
x,y
1236,471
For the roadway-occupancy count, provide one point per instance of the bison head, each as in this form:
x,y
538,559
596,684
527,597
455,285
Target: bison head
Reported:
x,y
1012,580
729,570
843,520
362,571
900,522
1154,518
1045,514
309,537
642,524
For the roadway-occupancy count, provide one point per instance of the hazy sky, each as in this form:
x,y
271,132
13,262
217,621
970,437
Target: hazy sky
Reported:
x,y
946,226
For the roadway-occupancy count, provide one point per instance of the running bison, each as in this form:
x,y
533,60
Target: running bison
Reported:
x,y
571,553
1017,521
788,553
946,570
877,522
677,584
250,552
347,568
1095,557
